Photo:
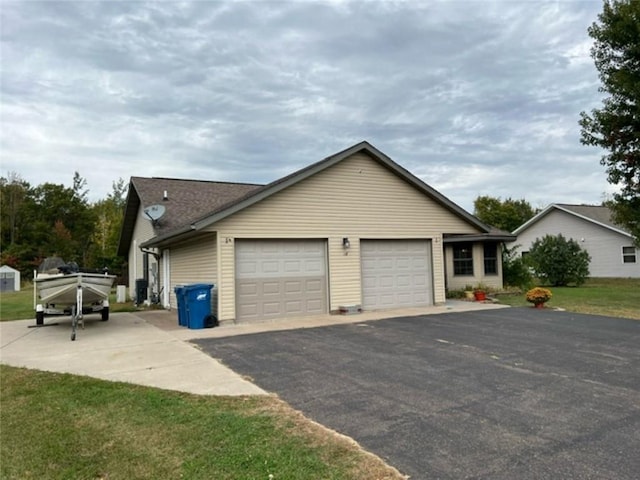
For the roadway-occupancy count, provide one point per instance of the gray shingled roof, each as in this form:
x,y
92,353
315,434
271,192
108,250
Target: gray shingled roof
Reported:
x,y
186,201
594,213
597,213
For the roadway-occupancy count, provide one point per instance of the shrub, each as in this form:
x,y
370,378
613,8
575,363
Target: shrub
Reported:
x,y
558,261
455,294
515,272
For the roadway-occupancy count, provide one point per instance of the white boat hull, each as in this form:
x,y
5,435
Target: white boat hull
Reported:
x,y
61,290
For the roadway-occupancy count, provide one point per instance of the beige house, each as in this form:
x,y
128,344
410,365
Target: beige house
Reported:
x,y
355,230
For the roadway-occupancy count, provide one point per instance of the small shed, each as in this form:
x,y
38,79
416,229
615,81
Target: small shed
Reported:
x,y
9,279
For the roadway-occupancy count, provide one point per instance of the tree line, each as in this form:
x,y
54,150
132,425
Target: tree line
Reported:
x,y
54,220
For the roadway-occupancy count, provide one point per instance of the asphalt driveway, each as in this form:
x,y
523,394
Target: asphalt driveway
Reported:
x,y
496,394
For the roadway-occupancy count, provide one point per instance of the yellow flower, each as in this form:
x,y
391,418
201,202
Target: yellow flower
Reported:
x,y
539,295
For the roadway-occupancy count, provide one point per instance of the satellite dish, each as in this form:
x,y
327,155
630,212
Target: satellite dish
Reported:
x,y
154,212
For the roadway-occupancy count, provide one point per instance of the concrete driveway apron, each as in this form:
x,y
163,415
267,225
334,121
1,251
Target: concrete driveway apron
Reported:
x,y
126,349
500,394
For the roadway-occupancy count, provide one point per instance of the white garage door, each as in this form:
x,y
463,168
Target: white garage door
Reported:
x,y
280,278
396,274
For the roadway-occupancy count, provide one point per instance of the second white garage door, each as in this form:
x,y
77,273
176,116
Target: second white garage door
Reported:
x,y
396,273
280,278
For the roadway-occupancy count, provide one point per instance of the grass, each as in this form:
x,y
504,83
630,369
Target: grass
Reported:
x,y
60,426
19,305
614,297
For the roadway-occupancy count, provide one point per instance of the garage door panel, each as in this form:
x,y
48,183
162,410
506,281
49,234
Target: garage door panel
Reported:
x,y
292,266
271,288
293,307
387,300
293,287
315,306
250,288
396,273
403,263
385,281
271,308
423,280
314,285
289,276
314,266
369,282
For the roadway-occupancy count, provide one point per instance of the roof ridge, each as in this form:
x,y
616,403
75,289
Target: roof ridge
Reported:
x,y
173,179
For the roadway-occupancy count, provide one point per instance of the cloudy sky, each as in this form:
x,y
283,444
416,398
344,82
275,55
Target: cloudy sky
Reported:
x,y
474,97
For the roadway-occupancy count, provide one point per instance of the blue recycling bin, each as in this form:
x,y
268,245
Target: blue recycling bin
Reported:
x,y
198,305
182,305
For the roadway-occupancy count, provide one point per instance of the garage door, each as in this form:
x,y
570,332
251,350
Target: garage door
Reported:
x,y
280,278
396,273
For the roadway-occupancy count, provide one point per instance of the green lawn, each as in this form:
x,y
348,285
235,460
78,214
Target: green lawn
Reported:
x,y
615,297
60,426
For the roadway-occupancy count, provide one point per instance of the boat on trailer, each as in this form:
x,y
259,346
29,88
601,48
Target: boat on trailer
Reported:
x,y
71,292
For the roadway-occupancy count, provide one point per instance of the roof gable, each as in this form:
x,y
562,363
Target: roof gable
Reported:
x,y
594,214
259,194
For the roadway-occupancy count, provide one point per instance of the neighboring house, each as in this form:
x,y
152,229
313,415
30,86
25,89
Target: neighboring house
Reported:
x,y
355,229
611,247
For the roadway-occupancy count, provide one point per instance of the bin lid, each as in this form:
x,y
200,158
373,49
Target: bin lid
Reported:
x,y
195,286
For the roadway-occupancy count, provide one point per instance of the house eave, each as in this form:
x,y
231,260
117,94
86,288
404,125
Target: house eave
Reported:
x,y
328,162
169,238
296,177
482,237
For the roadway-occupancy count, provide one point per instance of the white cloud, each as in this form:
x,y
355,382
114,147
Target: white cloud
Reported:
x,y
249,91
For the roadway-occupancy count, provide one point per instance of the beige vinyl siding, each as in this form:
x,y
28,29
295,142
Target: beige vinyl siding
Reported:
x,y
344,268
226,278
458,282
193,262
357,198
142,231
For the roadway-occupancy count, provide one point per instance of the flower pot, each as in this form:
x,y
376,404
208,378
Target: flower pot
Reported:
x,y
539,305
480,296
469,294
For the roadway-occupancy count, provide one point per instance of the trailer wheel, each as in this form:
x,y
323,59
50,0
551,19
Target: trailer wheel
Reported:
x,y
39,318
105,314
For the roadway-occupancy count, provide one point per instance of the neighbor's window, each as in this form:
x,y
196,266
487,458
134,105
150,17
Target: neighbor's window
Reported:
x,y
628,254
463,259
490,259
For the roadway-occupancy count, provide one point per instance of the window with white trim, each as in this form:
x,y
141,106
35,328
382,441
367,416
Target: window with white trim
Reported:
x,y
463,259
490,259
629,255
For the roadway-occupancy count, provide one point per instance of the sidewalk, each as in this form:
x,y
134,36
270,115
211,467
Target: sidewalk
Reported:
x,y
150,348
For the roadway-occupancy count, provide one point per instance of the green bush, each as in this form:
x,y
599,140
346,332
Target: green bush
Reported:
x,y
515,272
558,261
455,294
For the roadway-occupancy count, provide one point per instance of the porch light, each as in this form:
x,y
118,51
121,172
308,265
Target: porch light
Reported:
x,y
345,243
